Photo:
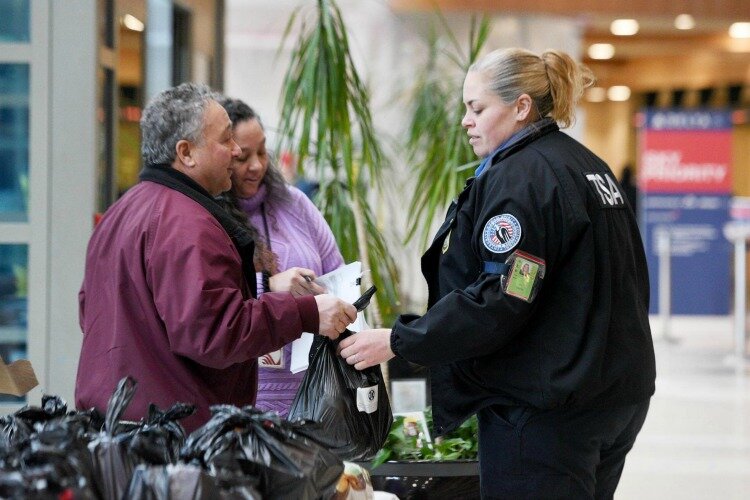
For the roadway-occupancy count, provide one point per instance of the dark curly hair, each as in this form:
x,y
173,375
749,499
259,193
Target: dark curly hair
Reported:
x,y
277,191
264,259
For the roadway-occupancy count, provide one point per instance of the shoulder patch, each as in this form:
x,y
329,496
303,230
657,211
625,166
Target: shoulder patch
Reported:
x,y
501,233
606,189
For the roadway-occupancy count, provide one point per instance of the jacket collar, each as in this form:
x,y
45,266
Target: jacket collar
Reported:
x,y
523,137
166,175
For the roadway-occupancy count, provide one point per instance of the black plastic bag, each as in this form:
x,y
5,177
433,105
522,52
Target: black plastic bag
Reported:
x,y
159,440
44,453
352,406
320,466
63,444
248,442
12,484
15,434
52,407
56,472
183,481
16,430
112,463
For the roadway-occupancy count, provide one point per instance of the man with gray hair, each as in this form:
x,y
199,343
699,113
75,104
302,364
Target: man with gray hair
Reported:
x,y
168,292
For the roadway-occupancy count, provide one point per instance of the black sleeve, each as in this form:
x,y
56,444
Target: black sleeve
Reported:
x,y
480,318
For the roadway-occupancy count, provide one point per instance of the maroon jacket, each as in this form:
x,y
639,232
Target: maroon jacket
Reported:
x,y
164,301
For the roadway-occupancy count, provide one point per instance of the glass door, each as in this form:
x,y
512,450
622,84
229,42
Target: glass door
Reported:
x,y
16,58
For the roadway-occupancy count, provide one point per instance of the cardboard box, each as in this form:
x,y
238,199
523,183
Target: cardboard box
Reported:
x,y
17,378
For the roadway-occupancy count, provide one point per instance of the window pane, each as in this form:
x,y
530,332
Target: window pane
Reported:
x,y
14,21
14,142
13,306
106,133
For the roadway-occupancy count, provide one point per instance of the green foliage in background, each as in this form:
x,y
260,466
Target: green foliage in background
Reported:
x,y
438,148
334,201
326,122
461,444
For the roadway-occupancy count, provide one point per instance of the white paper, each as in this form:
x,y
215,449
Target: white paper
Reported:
x,y
342,283
300,352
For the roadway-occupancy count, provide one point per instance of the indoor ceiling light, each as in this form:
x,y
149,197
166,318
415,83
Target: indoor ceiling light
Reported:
x,y
601,51
596,94
618,93
624,27
739,30
132,23
684,22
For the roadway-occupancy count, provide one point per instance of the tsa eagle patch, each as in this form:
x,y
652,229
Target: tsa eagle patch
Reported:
x,y
501,233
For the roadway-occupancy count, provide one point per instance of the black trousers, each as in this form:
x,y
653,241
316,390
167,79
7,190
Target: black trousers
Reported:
x,y
563,453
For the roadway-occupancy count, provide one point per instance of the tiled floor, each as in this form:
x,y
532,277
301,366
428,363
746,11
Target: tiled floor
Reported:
x,y
695,443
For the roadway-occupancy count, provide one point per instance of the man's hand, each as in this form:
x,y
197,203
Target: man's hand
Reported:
x,y
367,348
335,315
297,280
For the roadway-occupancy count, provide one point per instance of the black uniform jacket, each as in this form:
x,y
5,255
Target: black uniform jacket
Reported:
x,y
585,339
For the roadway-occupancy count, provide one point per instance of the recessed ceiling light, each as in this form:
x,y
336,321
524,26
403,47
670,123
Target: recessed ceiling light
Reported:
x,y
601,51
739,30
132,23
684,22
596,94
618,93
624,27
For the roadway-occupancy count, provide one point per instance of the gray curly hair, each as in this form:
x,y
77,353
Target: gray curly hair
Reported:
x,y
171,116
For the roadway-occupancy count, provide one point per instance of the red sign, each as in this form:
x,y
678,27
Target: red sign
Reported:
x,y
685,161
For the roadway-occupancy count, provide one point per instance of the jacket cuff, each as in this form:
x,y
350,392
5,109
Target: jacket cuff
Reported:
x,y
395,342
308,309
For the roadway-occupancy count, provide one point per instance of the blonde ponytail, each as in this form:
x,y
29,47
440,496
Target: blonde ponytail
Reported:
x,y
568,79
553,80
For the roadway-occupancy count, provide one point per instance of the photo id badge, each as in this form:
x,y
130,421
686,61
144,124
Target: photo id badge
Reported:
x,y
524,276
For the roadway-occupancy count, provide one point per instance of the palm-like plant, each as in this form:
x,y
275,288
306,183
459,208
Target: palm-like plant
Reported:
x,y
437,147
326,121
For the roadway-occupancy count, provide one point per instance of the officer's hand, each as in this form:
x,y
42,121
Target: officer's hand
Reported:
x,y
367,348
335,315
297,280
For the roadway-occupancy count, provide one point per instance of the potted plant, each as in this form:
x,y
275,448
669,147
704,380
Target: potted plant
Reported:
x,y
326,122
410,464
436,146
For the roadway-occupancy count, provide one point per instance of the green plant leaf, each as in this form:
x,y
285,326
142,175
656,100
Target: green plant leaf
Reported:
x,y
461,444
437,146
325,117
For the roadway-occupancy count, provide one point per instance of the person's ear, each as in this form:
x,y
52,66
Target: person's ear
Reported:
x,y
524,107
184,150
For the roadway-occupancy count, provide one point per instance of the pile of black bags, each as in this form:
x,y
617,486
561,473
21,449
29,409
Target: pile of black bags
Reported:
x,y
241,453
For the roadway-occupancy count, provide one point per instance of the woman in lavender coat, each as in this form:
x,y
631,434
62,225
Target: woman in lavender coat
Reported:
x,y
294,244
